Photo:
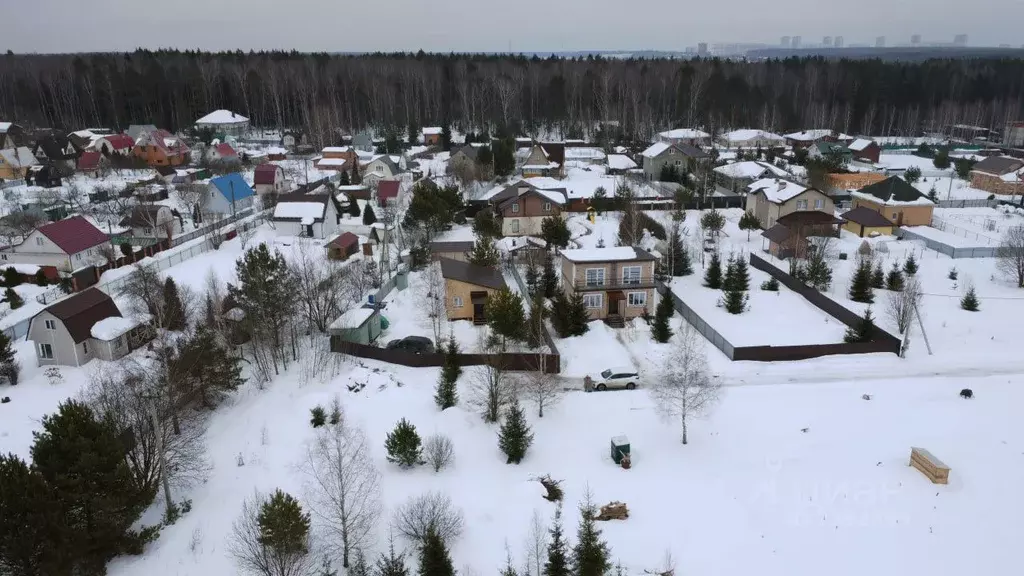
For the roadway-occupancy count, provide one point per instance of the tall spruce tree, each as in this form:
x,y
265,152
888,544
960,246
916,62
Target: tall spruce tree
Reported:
x,y
549,278
505,316
206,368
729,278
555,231
485,253
910,266
557,563
174,310
82,460
894,281
369,217
679,260
863,332
515,437
860,285
577,317
434,557
740,274
878,277
392,564
713,275
533,280
735,301
265,291
590,556
446,395
32,527
353,208
660,329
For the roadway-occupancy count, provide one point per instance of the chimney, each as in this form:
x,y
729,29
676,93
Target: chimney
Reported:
x,y
232,114
782,184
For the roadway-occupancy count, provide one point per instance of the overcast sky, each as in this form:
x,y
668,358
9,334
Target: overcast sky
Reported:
x,y
488,25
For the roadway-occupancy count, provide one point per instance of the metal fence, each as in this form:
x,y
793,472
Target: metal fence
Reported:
x,y
698,323
947,249
976,203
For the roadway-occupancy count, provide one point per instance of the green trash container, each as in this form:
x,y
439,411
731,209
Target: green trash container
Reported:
x,y
620,448
384,323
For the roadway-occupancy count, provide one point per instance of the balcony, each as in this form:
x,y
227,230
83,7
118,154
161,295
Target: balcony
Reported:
x,y
641,283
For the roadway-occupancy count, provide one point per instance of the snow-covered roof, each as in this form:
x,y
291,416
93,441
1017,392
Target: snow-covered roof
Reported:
x,y
777,191
432,130
4,127
750,169
27,269
331,162
354,318
1013,176
553,195
620,162
114,326
809,135
614,254
746,134
335,149
584,153
859,144
19,157
548,166
276,150
301,210
222,117
920,201
655,149
679,133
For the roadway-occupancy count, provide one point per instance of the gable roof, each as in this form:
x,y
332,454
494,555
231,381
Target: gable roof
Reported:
x,y
826,147
776,190
620,162
222,117
162,139
866,217
344,240
225,149
307,208
556,196
745,134
455,246
471,274
387,189
469,151
89,160
136,130
614,254
555,151
80,312
751,169
119,141
860,144
266,173
809,135
998,165
73,235
684,133
20,157
655,150
892,190
232,186
142,216
55,146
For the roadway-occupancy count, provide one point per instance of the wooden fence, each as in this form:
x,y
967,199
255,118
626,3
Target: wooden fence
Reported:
x,y
512,361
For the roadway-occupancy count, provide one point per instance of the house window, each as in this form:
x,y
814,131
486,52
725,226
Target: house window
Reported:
x,y
51,325
147,230
801,204
637,299
3,256
78,257
547,206
593,300
380,169
515,226
45,351
595,277
679,162
457,301
631,274
85,347
819,204
515,207
894,215
39,240
119,343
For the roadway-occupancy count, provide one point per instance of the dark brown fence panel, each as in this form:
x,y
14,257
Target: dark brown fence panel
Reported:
x,y
513,361
790,353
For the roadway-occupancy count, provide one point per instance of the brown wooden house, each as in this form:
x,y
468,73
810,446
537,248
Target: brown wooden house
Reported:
x,y
466,289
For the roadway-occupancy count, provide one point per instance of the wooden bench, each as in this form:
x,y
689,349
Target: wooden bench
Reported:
x,y
929,465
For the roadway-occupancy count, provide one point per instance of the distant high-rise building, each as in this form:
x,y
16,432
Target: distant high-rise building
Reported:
x,y
960,39
839,42
880,42
794,42
826,41
702,49
784,43
915,40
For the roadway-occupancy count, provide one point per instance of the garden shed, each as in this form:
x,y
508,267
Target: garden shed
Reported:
x,y
358,325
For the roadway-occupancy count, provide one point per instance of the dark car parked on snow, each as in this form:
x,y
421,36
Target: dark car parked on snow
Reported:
x,y
414,344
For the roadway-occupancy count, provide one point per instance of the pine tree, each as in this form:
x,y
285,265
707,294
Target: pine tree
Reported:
x,y
679,255
555,231
14,299
660,330
933,195
392,564
82,461
590,556
284,527
317,416
577,316
557,563
434,557
863,332
515,437
174,310
970,300
359,567
894,281
549,278
32,528
860,285
353,208
910,266
356,179
403,445
447,392
878,277
505,316
484,253
369,217
741,275
713,275
343,180
446,137
206,368
735,302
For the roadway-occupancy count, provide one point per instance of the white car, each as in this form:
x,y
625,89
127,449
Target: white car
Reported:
x,y
621,377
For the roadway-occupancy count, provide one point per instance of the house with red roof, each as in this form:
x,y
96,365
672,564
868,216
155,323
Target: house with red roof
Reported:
x,y
114,144
222,153
269,179
91,162
161,148
387,191
66,245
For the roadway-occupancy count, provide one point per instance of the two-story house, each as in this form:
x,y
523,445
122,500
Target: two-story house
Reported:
x,y
617,284
773,198
152,221
523,208
16,162
380,167
689,136
227,195
680,156
161,148
898,201
999,175
66,245
736,177
546,159
306,215
269,179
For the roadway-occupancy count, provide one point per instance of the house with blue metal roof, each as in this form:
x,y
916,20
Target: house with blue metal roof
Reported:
x,y
227,195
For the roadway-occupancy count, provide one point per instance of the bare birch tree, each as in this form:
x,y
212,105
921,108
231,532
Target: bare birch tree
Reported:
x,y
536,546
902,305
685,388
1010,255
344,487
492,387
321,290
434,300
541,388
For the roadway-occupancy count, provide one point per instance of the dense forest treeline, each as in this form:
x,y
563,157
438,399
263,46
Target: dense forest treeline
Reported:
x,y
323,92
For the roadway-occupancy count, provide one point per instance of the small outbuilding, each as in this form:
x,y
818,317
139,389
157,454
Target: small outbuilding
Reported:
x,y
343,246
864,221
358,325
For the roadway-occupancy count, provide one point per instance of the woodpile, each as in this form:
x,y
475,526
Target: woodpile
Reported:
x,y
613,511
929,465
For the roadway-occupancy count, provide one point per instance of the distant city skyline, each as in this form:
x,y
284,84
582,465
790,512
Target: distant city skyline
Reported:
x,y
50,26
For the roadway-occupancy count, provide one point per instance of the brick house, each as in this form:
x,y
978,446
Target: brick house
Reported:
x,y
999,175
897,200
865,150
617,283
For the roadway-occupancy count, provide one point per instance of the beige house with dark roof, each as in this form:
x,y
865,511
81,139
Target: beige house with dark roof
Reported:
x,y
773,198
466,289
617,283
